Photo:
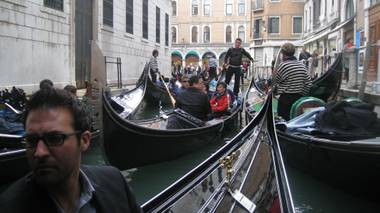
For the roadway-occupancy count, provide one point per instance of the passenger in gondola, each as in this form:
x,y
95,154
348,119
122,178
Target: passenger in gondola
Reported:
x,y
71,89
173,86
46,84
193,100
220,100
184,84
57,133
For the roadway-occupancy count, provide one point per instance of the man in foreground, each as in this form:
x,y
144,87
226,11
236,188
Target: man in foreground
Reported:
x,y
57,132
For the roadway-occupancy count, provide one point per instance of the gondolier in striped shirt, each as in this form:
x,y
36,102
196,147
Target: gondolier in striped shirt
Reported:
x,y
153,64
292,79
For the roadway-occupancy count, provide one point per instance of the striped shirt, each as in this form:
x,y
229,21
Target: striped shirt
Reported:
x,y
212,62
153,64
292,77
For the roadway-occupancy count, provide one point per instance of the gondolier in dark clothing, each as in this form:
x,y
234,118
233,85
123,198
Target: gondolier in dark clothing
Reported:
x,y
57,132
213,65
292,79
193,100
234,60
153,64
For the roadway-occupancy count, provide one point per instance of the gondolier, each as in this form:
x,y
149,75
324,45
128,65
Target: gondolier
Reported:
x,y
292,80
234,60
153,64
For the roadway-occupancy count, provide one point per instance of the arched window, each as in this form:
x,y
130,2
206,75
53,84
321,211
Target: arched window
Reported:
x,y
194,34
228,34
241,33
241,7
206,34
194,7
206,7
174,35
174,7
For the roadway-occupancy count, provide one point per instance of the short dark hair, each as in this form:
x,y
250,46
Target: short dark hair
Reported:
x,y
193,80
223,84
238,39
154,52
55,98
71,88
46,83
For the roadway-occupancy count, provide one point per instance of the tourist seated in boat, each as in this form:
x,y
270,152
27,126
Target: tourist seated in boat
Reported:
x,y
292,79
173,85
220,100
184,84
46,83
71,89
57,133
193,100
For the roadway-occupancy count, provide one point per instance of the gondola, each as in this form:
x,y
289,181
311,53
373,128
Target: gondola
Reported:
x,y
132,143
13,162
157,91
350,164
245,175
327,86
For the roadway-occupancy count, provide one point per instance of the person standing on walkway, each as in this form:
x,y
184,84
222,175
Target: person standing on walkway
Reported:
x,y
233,59
292,80
153,64
304,56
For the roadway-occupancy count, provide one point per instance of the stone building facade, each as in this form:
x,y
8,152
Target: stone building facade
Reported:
x,y
274,23
51,39
207,27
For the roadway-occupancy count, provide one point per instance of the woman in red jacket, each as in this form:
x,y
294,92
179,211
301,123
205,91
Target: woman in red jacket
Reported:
x,y
220,100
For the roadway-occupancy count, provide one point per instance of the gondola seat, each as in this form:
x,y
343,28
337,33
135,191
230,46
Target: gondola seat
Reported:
x,y
303,104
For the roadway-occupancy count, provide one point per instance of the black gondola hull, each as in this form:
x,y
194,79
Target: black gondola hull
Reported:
x,y
255,175
351,166
13,165
128,145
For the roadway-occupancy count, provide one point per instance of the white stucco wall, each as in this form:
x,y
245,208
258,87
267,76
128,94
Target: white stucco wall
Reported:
x,y
132,48
34,44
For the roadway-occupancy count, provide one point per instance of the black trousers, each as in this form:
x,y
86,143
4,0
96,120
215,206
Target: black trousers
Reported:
x,y
234,71
212,73
285,103
154,76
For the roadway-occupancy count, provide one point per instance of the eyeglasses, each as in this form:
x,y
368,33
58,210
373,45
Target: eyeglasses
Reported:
x,y
50,139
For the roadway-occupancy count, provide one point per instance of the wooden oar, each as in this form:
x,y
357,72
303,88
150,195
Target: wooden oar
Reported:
x,y
167,89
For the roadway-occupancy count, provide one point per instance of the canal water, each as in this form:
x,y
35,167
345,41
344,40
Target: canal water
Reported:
x,y
309,194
